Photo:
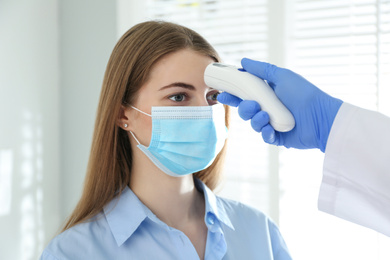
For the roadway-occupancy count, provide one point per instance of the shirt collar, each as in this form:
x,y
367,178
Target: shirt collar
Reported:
x,y
126,212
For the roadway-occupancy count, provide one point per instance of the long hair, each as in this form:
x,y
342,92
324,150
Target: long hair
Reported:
x,y
110,161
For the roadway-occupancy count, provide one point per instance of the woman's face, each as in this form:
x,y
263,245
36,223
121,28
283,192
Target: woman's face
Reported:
x,y
175,80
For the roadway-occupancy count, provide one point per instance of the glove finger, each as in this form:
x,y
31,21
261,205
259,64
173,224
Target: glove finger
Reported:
x,y
269,134
229,99
248,108
263,70
260,120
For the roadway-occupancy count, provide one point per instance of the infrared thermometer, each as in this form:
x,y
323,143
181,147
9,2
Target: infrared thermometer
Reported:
x,y
249,87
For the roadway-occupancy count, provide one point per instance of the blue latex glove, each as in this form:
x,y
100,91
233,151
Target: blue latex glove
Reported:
x,y
314,111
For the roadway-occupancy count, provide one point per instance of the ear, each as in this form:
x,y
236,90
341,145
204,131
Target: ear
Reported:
x,y
124,118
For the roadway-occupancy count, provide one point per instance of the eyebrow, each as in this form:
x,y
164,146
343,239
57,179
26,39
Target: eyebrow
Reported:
x,y
178,84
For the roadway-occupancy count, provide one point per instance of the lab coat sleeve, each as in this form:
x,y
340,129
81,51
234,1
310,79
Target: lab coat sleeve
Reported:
x,y
356,173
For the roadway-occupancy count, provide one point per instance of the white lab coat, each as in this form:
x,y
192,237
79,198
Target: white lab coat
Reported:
x,y
356,174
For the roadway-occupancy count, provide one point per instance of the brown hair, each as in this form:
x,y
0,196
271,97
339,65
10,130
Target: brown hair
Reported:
x,y
110,160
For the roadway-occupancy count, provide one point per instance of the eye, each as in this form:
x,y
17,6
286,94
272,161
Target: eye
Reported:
x,y
178,97
213,96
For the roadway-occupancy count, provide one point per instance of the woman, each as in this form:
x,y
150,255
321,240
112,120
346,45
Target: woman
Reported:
x,y
157,153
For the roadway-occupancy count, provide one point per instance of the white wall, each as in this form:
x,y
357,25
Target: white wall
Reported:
x,y
87,37
53,55
29,126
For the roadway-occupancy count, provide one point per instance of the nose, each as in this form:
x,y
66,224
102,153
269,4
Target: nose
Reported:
x,y
201,100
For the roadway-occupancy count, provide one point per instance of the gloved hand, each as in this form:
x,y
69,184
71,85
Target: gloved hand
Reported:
x,y
314,111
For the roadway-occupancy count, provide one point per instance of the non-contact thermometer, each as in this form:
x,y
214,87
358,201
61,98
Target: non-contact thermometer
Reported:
x,y
249,87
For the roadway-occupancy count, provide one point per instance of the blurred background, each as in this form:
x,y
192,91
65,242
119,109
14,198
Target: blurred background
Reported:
x,y
53,55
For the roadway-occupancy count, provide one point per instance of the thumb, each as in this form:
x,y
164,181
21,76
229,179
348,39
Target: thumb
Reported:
x,y
263,70
228,99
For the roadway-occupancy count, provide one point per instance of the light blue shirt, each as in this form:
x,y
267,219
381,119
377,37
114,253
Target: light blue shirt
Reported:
x,y
127,229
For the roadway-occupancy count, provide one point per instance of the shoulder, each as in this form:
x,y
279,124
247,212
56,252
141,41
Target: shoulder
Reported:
x,y
81,240
237,210
255,228
248,219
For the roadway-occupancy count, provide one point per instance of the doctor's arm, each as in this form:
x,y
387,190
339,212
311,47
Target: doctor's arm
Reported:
x,y
356,174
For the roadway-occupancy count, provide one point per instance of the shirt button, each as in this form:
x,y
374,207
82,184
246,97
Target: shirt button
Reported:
x,y
210,219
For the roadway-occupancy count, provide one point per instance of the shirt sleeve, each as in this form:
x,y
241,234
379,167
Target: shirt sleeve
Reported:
x,y
356,173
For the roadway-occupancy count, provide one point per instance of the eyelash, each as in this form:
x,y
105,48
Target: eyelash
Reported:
x,y
178,94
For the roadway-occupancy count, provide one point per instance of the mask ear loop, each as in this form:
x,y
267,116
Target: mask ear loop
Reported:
x,y
141,111
131,131
135,138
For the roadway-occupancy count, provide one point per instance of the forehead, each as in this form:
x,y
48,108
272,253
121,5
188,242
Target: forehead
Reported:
x,y
182,63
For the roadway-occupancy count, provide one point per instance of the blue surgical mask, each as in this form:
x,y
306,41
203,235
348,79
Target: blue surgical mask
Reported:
x,y
185,139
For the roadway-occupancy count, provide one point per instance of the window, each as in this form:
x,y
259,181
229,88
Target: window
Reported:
x,y
343,48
